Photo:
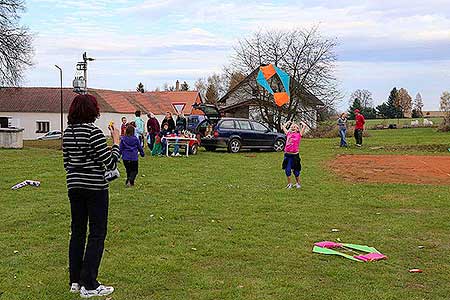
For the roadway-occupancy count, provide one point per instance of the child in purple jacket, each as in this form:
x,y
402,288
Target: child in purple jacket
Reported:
x,y
129,148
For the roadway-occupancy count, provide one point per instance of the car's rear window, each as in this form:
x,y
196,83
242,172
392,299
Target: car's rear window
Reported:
x,y
228,124
259,127
244,125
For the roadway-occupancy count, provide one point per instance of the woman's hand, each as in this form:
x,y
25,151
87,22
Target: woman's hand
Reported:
x,y
115,134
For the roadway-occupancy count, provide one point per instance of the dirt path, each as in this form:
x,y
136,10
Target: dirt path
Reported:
x,y
394,168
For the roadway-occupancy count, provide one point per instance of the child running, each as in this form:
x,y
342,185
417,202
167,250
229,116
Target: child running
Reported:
x,y
129,148
291,161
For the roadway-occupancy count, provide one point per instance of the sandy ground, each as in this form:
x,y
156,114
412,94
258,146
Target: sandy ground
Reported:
x,y
414,169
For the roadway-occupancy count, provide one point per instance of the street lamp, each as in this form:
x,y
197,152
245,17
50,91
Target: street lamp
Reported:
x,y
61,98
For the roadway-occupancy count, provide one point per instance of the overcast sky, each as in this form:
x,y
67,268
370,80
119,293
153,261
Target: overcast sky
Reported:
x,y
382,43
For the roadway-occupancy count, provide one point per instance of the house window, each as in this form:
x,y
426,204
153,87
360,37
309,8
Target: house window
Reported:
x,y
42,126
4,122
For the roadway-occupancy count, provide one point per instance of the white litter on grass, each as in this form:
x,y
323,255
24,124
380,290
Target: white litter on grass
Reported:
x,y
334,230
25,183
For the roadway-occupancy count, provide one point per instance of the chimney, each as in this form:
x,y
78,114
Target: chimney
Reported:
x,y
177,86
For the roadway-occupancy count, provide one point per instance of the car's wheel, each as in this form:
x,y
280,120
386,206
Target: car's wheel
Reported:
x,y
234,146
210,148
278,146
193,149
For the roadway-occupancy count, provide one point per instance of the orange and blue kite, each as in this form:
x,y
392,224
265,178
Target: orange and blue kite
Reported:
x,y
267,72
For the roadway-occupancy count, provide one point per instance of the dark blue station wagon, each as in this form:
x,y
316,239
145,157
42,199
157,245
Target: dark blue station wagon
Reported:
x,y
235,134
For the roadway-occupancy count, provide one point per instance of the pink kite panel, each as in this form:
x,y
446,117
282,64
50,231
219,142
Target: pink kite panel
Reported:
x,y
371,257
328,244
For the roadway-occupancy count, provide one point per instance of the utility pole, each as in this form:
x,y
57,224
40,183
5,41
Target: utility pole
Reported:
x,y
61,98
80,81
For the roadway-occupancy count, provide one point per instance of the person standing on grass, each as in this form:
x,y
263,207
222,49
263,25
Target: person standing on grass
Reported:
x,y
129,148
359,128
342,127
139,127
153,130
291,161
86,158
123,126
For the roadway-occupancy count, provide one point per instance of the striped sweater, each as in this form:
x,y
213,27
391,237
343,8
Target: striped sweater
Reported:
x,y
87,156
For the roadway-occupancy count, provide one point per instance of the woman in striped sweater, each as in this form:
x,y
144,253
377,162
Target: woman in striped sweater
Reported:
x,y
86,158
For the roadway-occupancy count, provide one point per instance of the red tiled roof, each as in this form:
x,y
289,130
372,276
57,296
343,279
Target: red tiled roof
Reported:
x,y
37,99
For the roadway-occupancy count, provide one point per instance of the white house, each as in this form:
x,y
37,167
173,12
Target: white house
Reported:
x,y
37,109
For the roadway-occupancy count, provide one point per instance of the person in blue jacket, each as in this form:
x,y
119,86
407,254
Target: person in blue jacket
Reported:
x,y
129,148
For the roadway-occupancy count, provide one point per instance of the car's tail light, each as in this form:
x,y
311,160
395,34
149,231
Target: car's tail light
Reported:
x,y
216,133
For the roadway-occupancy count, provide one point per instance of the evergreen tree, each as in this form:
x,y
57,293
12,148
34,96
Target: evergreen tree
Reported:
x,y
355,105
388,109
212,95
140,87
369,113
184,86
417,106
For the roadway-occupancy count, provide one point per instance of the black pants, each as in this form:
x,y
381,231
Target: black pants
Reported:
x,y
132,170
358,136
152,141
87,206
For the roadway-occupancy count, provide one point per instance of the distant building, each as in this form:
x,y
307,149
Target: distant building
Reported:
x,y
433,114
240,101
37,109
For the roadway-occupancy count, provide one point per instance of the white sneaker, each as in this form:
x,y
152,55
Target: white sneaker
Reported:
x,y
173,154
75,288
102,290
289,186
358,145
298,186
178,154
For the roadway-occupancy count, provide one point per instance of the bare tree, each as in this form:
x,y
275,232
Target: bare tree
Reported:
x,y
167,87
364,97
15,43
200,86
219,82
309,59
445,107
404,102
235,79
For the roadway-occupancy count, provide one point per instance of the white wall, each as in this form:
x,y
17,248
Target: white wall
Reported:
x,y
28,121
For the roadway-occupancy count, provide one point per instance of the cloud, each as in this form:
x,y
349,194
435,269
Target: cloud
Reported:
x,y
381,42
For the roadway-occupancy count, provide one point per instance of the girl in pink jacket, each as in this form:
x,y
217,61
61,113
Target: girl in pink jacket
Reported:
x,y
291,161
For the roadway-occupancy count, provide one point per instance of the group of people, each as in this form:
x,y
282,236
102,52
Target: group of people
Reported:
x,y
133,135
359,128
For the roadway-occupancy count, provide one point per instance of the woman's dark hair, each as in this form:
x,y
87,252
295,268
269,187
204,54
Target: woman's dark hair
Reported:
x,y
84,109
130,130
137,113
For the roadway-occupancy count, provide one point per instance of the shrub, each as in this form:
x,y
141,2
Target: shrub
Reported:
x,y
444,126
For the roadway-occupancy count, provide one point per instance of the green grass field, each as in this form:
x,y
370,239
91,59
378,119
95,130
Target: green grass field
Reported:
x,y
222,226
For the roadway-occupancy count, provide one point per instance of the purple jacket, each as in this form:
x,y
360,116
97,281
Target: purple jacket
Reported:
x,y
129,147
